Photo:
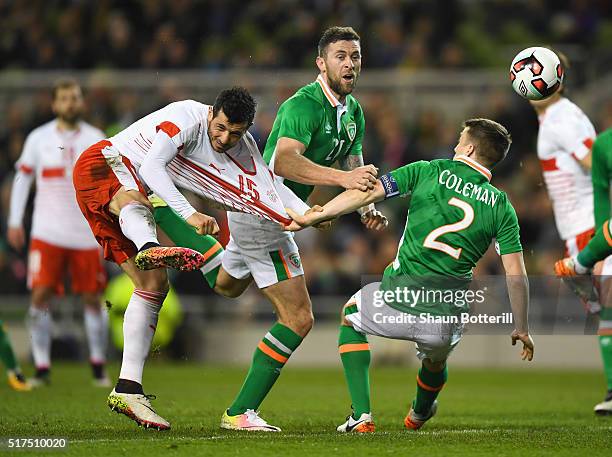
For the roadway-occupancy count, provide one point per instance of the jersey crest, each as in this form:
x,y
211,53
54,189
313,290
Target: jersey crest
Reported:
x,y
294,259
351,129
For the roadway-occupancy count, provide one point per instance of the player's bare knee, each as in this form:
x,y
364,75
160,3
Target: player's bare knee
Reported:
x,y
228,286
227,293
91,301
229,290
304,314
343,320
119,200
41,297
160,285
304,322
233,293
300,321
123,198
154,281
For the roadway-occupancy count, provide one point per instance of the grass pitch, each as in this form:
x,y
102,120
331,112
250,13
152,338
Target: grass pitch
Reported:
x,y
525,412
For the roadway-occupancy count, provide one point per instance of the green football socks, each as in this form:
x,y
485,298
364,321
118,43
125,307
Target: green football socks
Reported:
x,y
605,343
429,385
355,355
598,248
6,351
182,234
270,356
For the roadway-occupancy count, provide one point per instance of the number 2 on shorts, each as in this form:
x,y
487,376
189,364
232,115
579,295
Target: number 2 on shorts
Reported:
x,y
431,241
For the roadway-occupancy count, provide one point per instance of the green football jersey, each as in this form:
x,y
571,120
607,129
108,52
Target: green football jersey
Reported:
x,y
601,174
454,215
314,117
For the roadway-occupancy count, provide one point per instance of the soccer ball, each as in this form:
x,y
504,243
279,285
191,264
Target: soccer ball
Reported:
x,y
536,73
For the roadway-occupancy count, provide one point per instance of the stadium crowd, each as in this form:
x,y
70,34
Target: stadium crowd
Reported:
x,y
179,34
214,34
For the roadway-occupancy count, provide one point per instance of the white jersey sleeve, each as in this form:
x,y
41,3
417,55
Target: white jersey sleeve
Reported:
x,y
155,174
573,136
154,141
29,156
22,183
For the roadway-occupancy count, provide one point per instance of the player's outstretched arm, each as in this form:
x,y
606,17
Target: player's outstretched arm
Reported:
x,y
518,292
290,163
347,202
370,216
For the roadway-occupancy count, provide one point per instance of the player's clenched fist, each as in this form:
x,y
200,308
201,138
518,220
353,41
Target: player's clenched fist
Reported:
x,y
361,178
204,225
374,220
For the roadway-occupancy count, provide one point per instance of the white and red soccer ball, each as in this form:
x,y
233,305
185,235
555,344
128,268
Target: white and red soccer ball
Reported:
x,y
536,73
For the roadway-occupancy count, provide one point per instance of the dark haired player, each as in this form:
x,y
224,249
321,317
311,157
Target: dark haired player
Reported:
x,y
182,145
455,213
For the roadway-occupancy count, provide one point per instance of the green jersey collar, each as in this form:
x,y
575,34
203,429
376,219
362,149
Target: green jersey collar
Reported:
x,y
475,165
333,101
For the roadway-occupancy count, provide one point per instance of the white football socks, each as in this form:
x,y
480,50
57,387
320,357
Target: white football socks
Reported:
x,y
96,328
40,323
138,224
139,324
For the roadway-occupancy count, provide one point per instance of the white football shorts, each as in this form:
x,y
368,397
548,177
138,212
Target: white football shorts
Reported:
x,y
260,248
434,341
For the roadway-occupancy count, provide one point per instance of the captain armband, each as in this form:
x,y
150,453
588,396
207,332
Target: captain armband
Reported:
x,y
389,185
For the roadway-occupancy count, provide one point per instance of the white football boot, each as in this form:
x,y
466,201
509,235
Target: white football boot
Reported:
x,y
605,407
138,408
249,421
365,424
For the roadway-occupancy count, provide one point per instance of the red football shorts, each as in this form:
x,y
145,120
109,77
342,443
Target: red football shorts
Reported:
x,y
577,243
48,264
98,175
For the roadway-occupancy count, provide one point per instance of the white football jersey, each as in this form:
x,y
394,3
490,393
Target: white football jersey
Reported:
x,y
49,154
238,178
566,136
